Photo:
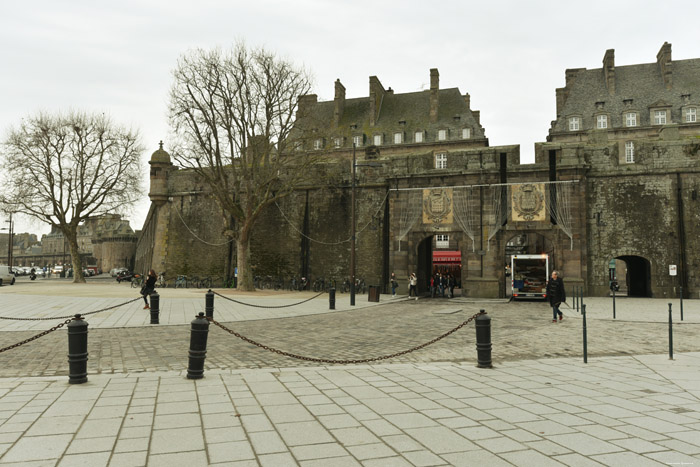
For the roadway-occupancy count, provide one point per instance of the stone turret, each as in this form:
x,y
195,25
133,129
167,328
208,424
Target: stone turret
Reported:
x,y
160,165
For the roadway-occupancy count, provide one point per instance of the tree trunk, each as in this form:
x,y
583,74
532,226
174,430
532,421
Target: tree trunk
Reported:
x,y
75,258
245,273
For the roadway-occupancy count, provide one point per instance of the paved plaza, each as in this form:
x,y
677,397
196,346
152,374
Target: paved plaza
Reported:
x,y
539,405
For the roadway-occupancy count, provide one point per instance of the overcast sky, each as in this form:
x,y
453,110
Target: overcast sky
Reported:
x,y
117,57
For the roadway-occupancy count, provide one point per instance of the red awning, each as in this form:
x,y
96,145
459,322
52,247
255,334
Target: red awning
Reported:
x,y
447,257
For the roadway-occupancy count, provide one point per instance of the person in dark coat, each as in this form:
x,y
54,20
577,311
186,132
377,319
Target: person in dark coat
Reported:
x,y
149,287
556,295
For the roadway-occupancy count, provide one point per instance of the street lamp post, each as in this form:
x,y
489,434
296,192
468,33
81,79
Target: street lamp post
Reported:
x,y
9,241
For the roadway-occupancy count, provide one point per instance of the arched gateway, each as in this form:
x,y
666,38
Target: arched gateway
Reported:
x,y
481,226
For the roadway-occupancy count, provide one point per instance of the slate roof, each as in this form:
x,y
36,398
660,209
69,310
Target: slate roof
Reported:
x,y
408,112
642,83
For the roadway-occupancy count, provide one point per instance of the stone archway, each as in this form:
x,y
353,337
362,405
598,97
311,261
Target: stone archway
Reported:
x,y
637,279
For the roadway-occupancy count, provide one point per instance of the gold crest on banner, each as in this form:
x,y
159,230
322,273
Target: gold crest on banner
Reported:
x,y
528,202
437,206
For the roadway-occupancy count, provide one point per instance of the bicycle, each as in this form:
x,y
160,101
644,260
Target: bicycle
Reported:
x,y
205,283
181,281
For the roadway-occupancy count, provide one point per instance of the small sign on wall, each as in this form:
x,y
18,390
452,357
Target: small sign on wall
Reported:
x,y
672,270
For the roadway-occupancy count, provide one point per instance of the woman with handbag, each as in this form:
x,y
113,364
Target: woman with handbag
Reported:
x,y
149,287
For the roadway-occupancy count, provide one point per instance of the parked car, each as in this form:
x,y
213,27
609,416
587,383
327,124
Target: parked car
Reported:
x,y
6,275
57,270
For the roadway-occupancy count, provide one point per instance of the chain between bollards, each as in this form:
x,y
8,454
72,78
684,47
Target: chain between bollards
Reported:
x,y
670,334
585,336
77,350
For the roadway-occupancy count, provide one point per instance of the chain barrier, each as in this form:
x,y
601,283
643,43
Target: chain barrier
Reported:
x,y
267,306
65,317
342,362
41,334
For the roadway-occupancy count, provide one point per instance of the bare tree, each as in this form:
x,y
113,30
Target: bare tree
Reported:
x,y
64,169
233,116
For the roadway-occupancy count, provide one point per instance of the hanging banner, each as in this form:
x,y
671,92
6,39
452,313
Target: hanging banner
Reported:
x,y
437,206
528,203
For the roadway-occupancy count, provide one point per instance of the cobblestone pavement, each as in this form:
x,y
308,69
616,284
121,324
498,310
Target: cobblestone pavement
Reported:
x,y
520,330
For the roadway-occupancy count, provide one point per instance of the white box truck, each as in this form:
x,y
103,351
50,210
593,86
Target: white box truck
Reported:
x,y
529,275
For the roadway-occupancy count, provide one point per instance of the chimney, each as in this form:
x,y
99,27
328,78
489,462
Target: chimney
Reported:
x,y
477,116
434,90
663,58
467,100
563,93
609,70
304,105
339,102
376,95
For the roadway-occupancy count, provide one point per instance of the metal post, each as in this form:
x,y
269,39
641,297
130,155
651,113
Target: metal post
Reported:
x,y
585,335
483,340
77,350
581,292
331,298
681,303
209,304
613,291
352,244
155,308
198,347
670,334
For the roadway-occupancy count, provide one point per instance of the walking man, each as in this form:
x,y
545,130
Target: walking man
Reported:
x,y
556,295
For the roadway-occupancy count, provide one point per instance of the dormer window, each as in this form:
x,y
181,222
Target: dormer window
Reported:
x,y
466,133
378,140
441,161
298,145
398,137
418,137
318,143
659,117
601,122
631,119
338,142
358,140
442,135
690,115
574,123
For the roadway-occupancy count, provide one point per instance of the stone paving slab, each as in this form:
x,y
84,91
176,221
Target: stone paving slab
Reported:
x,y
395,414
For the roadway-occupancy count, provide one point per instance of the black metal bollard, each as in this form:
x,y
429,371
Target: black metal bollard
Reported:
x,y
681,303
483,340
670,334
155,308
331,298
613,291
209,304
585,335
77,350
198,347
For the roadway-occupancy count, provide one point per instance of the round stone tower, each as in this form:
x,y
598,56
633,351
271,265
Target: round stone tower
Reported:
x,y
160,166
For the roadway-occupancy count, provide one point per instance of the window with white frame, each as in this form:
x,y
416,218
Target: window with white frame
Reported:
x,y
442,135
377,140
441,161
602,122
418,138
442,241
298,145
357,140
631,119
318,144
466,133
398,137
691,115
659,117
629,152
574,123
338,142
